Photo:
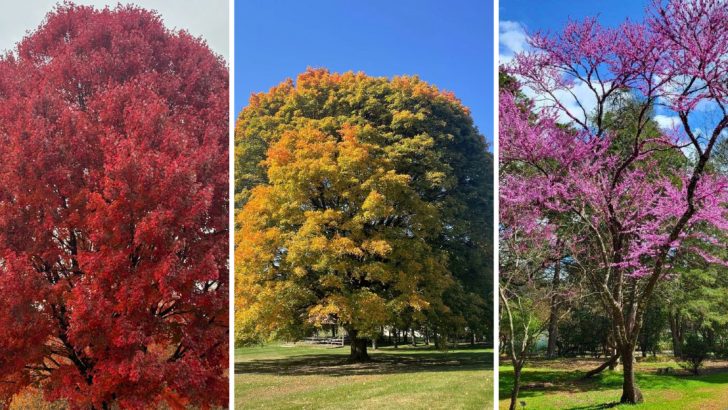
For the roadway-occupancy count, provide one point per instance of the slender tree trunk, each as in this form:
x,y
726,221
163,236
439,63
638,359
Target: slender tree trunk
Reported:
x,y
613,351
609,363
379,339
613,364
517,367
676,333
414,340
631,394
554,314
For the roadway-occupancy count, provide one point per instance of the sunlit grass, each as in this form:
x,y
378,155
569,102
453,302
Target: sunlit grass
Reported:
x,y
557,385
308,377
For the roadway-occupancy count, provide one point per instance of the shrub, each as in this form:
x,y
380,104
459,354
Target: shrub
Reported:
x,y
695,351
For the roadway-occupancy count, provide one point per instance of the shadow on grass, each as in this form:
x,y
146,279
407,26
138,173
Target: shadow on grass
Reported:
x,y
596,406
402,360
542,382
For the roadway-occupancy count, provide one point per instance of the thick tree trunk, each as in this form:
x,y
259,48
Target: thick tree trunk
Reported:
x,y
517,367
631,394
358,352
553,336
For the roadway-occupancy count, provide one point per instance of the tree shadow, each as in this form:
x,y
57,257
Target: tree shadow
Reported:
x,y
610,405
537,383
402,360
558,382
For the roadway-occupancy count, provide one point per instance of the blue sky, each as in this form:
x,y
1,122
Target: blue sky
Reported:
x,y
518,17
553,14
446,43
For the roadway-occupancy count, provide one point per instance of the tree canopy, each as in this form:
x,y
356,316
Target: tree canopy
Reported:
x,y
113,213
360,200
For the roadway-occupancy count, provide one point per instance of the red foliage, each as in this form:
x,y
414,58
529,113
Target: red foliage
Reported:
x,y
113,212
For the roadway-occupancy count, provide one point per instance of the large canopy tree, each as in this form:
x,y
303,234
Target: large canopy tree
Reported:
x,y
637,215
113,213
336,164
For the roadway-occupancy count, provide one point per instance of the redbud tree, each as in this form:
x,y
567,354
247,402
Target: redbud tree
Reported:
x,y
635,214
113,213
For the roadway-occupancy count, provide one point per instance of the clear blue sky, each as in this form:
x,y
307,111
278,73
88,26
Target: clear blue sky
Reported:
x,y
446,43
553,14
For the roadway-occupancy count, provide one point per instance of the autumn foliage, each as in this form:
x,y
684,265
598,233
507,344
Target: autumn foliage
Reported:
x,y
362,202
113,213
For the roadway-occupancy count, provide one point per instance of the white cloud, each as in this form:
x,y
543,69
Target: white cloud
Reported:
x,y
583,95
512,39
667,122
203,18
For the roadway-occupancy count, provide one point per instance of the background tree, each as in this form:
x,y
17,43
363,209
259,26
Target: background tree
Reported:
x,y
113,213
424,135
529,295
697,301
654,325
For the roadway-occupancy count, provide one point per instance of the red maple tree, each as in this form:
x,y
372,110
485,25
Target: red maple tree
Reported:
x,y
114,213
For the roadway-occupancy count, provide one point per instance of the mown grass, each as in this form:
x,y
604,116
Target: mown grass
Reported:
x,y
557,384
308,377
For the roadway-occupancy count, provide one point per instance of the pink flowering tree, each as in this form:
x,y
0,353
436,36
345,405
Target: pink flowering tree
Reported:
x,y
635,214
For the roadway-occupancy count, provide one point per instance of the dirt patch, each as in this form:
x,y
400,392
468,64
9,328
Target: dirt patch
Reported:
x,y
586,364
567,364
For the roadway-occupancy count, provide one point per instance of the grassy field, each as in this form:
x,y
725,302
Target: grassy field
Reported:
x,y
556,385
308,377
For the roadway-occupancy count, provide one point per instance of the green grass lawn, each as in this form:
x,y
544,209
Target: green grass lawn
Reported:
x,y
557,385
308,377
